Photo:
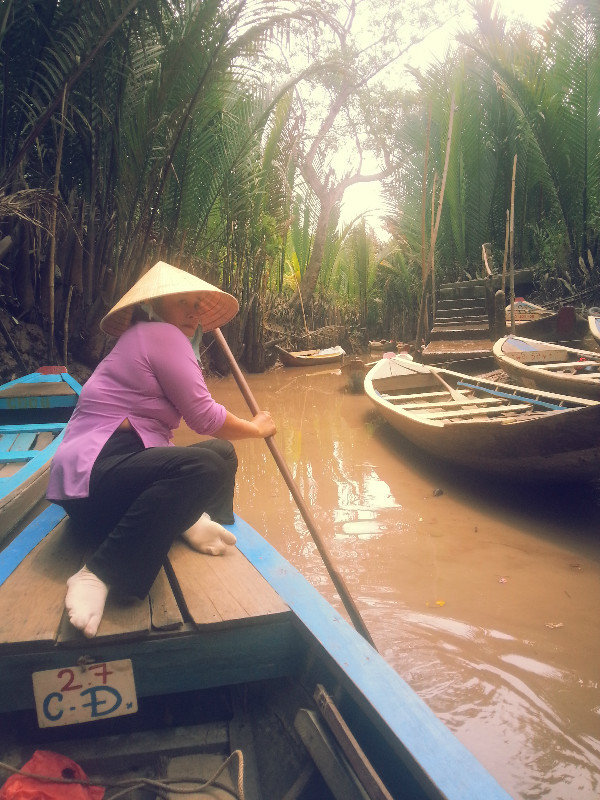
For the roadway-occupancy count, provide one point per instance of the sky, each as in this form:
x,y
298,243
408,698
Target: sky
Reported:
x,y
366,197
536,11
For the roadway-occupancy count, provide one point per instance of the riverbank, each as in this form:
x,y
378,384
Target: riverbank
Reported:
x,y
26,350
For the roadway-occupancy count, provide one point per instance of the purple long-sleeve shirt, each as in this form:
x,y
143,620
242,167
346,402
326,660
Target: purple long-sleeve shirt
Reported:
x,y
152,378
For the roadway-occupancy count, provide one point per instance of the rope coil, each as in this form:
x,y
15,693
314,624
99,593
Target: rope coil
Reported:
x,y
162,787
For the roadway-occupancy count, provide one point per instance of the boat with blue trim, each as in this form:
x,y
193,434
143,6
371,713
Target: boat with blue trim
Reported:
x,y
34,411
554,367
243,659
485,425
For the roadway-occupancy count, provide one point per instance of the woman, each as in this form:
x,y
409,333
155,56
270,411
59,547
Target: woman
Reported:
x,y
128,490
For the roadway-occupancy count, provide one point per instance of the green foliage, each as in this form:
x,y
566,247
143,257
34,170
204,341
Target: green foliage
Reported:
x,y
533,96
174,147
179,143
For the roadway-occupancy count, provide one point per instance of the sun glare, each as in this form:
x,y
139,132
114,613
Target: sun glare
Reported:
x,y
535,11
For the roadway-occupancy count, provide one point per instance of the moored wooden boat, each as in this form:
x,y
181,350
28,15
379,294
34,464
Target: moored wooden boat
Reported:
x,y
565,323
594,323
260,661
34,411
306,358
505,430
525,311
554,367
382,344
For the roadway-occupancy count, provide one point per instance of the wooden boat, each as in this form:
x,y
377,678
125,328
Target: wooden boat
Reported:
x,y
594,323
510,431
34,411
382,344
564,324
525,311
307,358
243,653
554,367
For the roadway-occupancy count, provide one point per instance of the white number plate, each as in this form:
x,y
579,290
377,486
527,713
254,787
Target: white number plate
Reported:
x,y
83,694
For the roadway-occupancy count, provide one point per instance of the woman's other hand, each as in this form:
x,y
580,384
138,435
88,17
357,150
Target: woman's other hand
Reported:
x,y
264,423
260,426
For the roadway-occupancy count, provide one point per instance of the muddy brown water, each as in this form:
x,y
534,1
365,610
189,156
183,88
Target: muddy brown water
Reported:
x,y
484,596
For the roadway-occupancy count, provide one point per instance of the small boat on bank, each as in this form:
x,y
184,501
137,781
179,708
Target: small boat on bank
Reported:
x,y
594,323
382,344
554,367
525,311
478,423
257,660
539,322
307,358
34,411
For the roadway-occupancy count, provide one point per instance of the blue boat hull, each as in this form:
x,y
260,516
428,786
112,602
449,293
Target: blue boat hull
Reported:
x,y
275,663
34,411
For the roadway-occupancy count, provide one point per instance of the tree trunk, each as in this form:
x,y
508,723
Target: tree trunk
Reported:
x,y
254,353
23,280
308,284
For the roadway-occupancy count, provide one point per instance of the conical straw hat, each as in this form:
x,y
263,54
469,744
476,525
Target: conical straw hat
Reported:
x,y
217,307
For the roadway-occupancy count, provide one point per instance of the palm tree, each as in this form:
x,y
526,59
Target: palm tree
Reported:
x,y
551,93
137,113
518,92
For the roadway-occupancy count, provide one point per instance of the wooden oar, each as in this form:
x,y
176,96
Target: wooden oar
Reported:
x,y
335,576
454,393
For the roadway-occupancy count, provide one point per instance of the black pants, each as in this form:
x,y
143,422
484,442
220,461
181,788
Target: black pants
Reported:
x,y
141,499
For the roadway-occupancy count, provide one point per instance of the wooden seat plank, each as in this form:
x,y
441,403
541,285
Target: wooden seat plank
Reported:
x,y
526,353
122,618
6,441
470,401
37,390
217,589
43,439
566,366
15,505
418,395
24,441
471,412
10,469
32,597
164,610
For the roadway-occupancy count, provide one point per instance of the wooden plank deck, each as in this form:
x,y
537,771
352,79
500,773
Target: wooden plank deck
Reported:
x,y
444,350
200,589
207,620
42,389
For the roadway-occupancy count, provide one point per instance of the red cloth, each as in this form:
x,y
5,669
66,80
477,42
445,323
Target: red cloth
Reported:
x,y
52,765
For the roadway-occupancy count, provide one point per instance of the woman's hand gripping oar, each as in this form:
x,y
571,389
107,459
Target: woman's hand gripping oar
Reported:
x,y
336,578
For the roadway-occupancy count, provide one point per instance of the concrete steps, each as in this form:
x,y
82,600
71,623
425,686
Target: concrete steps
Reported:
x,y
464,331
461,327
441,351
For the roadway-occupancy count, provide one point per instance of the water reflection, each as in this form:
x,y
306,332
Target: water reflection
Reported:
x,y
483,595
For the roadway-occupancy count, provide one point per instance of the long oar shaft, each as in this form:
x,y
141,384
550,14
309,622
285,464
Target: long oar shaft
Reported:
x,y
336,578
